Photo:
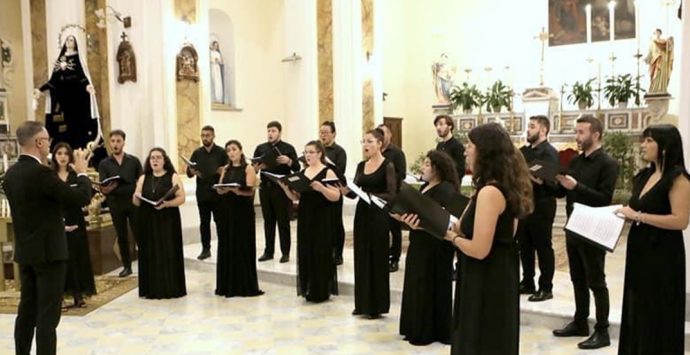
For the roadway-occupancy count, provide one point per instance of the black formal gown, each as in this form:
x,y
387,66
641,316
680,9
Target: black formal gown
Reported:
x,y
161,262
316,271
236,268
486,318
372,287
79,279
427,299
653,320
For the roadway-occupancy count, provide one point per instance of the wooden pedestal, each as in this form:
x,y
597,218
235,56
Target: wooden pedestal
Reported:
x,y
102,245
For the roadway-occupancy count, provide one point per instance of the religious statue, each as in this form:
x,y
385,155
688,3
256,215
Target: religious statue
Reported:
x,y
660,61
6,62
71,109
217,66
442,79
126,61
187,64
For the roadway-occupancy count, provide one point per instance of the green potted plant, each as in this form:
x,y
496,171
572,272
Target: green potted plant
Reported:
x,y
621,147
499,95
465,96
619,89
581,94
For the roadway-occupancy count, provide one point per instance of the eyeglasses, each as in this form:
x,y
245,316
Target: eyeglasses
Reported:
x,y
309,152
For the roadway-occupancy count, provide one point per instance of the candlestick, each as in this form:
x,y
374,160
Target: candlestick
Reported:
x,y
637,24
4,162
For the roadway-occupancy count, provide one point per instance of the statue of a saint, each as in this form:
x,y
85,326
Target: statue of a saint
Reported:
x,y
660,60
71,109
442,79
217,84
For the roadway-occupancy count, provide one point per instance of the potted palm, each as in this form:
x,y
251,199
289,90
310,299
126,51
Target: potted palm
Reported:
x,y
465,96
499,95
619,89
581,94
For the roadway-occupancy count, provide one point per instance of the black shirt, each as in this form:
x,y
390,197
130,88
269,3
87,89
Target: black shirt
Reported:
x,y
596,177
207,163
543,151
457,152
337,155
395,155
129,171
285,149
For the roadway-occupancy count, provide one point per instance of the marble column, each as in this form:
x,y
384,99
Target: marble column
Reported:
x,y
324,18
96,56
684,114
368,117
39,50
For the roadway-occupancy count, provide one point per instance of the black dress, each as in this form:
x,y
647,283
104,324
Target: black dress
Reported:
x,y
372,290
316,272
426,310
79,279
653,320
236,268
161,262
486,318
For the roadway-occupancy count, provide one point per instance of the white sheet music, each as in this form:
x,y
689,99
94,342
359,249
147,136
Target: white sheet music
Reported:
x,y
381,203
361,194
598,224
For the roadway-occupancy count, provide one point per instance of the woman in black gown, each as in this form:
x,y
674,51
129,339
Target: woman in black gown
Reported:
x,y
161,262
426,310
486,318
316,271
79,282
236,267
653,320
375,176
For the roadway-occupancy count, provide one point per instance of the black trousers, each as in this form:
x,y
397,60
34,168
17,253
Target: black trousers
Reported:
x,y
122,210
339,230
396,239
206,209
275,207
39,306
534,234
587,273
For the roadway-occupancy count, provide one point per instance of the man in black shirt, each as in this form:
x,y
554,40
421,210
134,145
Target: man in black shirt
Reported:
x,y
210,160
590,181
119,193
394,154
275,204
448,144
534,232
336,154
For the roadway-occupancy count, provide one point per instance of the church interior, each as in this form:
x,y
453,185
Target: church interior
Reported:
x,y
160,70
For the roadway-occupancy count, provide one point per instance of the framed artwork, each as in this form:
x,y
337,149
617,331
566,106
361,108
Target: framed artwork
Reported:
x,y
566,124
187,67
10,146
466,124
567,22
600,21
619,121
126,61
624,21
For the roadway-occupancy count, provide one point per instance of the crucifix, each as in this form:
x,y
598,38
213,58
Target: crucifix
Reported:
x,y
123,36
543,36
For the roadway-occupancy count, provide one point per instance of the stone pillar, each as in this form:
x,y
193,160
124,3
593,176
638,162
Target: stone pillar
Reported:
x,y
684,114
324,19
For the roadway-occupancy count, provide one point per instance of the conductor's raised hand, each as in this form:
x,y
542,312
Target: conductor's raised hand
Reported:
x,y
80,163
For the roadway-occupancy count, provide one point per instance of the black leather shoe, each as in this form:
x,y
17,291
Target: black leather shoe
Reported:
x,y
205,254
126,271
355,312
284,259
599,339
540,296
338,260
265,257
393,267
572,330
526,290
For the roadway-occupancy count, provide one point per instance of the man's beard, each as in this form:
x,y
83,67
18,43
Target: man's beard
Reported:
x,y
586,144
443,134
533,138
207,144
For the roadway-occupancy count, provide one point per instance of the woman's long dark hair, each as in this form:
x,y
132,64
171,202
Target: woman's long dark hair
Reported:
x,y
167,165
243,160
497,160
53,159
444,166
670,148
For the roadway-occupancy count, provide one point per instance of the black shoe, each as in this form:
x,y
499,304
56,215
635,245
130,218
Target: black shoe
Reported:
x,y
540,296
205,254
265,257
599,339
572,330
355,312
393,267
373,316
526,290
338,260
284,259
126,271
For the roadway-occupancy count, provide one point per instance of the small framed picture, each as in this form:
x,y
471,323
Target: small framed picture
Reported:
x,y
618,121
10,146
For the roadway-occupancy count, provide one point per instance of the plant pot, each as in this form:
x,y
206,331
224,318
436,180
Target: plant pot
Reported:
x,y
496,109
622,104
582,106
467,111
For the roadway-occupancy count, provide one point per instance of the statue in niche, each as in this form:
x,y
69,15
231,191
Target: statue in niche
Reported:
x,y
660,61
71,109
217,70
442,79
6,62
187,68
126,61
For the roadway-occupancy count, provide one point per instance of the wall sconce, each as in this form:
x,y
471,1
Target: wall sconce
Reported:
x,y
108,13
